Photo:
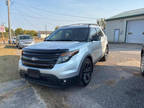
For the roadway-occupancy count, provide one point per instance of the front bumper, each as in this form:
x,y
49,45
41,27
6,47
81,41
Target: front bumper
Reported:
x,y
61,71
25,45
49,80
61,74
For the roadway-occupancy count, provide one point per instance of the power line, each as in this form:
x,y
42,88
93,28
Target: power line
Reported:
x,y
26,21
38,14
43,17
59,14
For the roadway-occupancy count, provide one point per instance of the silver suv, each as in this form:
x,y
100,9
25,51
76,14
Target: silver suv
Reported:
x,y
65,57
24,41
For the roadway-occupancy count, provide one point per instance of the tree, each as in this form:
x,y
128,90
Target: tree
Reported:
x,y
101,22
33,33
56,27
19,31
30,32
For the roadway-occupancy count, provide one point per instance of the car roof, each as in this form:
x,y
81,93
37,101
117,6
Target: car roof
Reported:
x,y
79,26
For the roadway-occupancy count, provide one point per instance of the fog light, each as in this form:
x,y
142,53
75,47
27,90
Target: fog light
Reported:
x,y
64,81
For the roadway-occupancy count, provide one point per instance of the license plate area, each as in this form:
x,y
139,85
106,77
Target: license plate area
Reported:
x,y
33,73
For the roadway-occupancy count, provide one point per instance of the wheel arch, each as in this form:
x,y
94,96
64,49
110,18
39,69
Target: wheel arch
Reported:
x,y
87,56
107,46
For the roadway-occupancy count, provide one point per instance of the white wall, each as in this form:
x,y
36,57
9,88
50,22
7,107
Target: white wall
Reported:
x,y
118,24
115,24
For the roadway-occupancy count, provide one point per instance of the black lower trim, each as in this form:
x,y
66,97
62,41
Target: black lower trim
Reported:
x,y
50,80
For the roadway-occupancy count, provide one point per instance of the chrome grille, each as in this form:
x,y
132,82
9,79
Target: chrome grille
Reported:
x,y
41,58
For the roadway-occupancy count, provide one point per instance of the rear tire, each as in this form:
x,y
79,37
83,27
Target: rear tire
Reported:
x,y
105,57
142,65
86,72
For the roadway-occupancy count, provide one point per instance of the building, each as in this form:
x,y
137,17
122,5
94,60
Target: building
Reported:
x,y
127,27
44,34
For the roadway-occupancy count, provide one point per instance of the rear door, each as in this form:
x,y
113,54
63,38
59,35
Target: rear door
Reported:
x,y
103,41
95,44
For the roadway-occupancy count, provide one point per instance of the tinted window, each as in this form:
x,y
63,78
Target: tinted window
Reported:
x,y
25,37
93,34
72,34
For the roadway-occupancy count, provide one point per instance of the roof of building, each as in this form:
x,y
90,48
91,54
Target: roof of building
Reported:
x,y
45,32
127,14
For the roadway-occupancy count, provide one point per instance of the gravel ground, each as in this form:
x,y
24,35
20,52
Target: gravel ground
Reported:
x,y
116,83
19,94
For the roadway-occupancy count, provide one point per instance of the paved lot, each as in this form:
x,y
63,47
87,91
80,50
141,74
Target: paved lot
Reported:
x,y
116,83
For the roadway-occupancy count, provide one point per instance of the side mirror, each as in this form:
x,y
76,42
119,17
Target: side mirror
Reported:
x,y
95,38
92,39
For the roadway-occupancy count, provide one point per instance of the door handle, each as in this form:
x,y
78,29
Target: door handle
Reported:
x,y
130,33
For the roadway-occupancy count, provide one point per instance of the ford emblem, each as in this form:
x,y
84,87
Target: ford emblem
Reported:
x,y
34,59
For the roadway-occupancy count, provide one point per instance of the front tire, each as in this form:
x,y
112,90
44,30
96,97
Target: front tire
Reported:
x,y
86,72
18,46
142,65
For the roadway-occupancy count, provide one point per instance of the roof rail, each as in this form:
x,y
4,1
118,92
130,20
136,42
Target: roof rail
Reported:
x,y
88,24
83,24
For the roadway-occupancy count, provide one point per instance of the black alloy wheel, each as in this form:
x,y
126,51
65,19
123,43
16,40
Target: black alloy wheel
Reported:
x,y
86,72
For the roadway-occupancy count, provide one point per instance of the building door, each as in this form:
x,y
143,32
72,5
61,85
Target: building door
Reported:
x,y
135,31
116,35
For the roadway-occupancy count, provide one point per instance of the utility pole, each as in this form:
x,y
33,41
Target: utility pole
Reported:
x,y
9,24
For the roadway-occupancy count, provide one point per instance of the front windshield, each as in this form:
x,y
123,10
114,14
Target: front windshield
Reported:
x,y
25,37
71,34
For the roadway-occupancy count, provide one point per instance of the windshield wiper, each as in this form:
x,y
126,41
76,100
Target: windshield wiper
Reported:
x,y
60,40
64,40
49,40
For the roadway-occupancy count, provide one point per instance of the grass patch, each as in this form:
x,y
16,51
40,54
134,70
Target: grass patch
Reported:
x,y
10,46
9,68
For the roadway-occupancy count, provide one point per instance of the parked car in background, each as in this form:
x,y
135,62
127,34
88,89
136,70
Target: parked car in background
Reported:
x,y
66,56
24,41
13,40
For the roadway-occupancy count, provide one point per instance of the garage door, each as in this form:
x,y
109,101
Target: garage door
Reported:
x,y
135,31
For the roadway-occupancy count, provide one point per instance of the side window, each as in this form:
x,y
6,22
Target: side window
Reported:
x,y
56,36
67,34
93,34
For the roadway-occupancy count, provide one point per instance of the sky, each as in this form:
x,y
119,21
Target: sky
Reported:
x,y
47,14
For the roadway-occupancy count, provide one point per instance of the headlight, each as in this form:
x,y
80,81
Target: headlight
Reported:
x,y
32,42
21,54
64,57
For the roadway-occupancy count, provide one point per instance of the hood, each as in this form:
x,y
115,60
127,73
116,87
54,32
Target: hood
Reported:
x,y
55,45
